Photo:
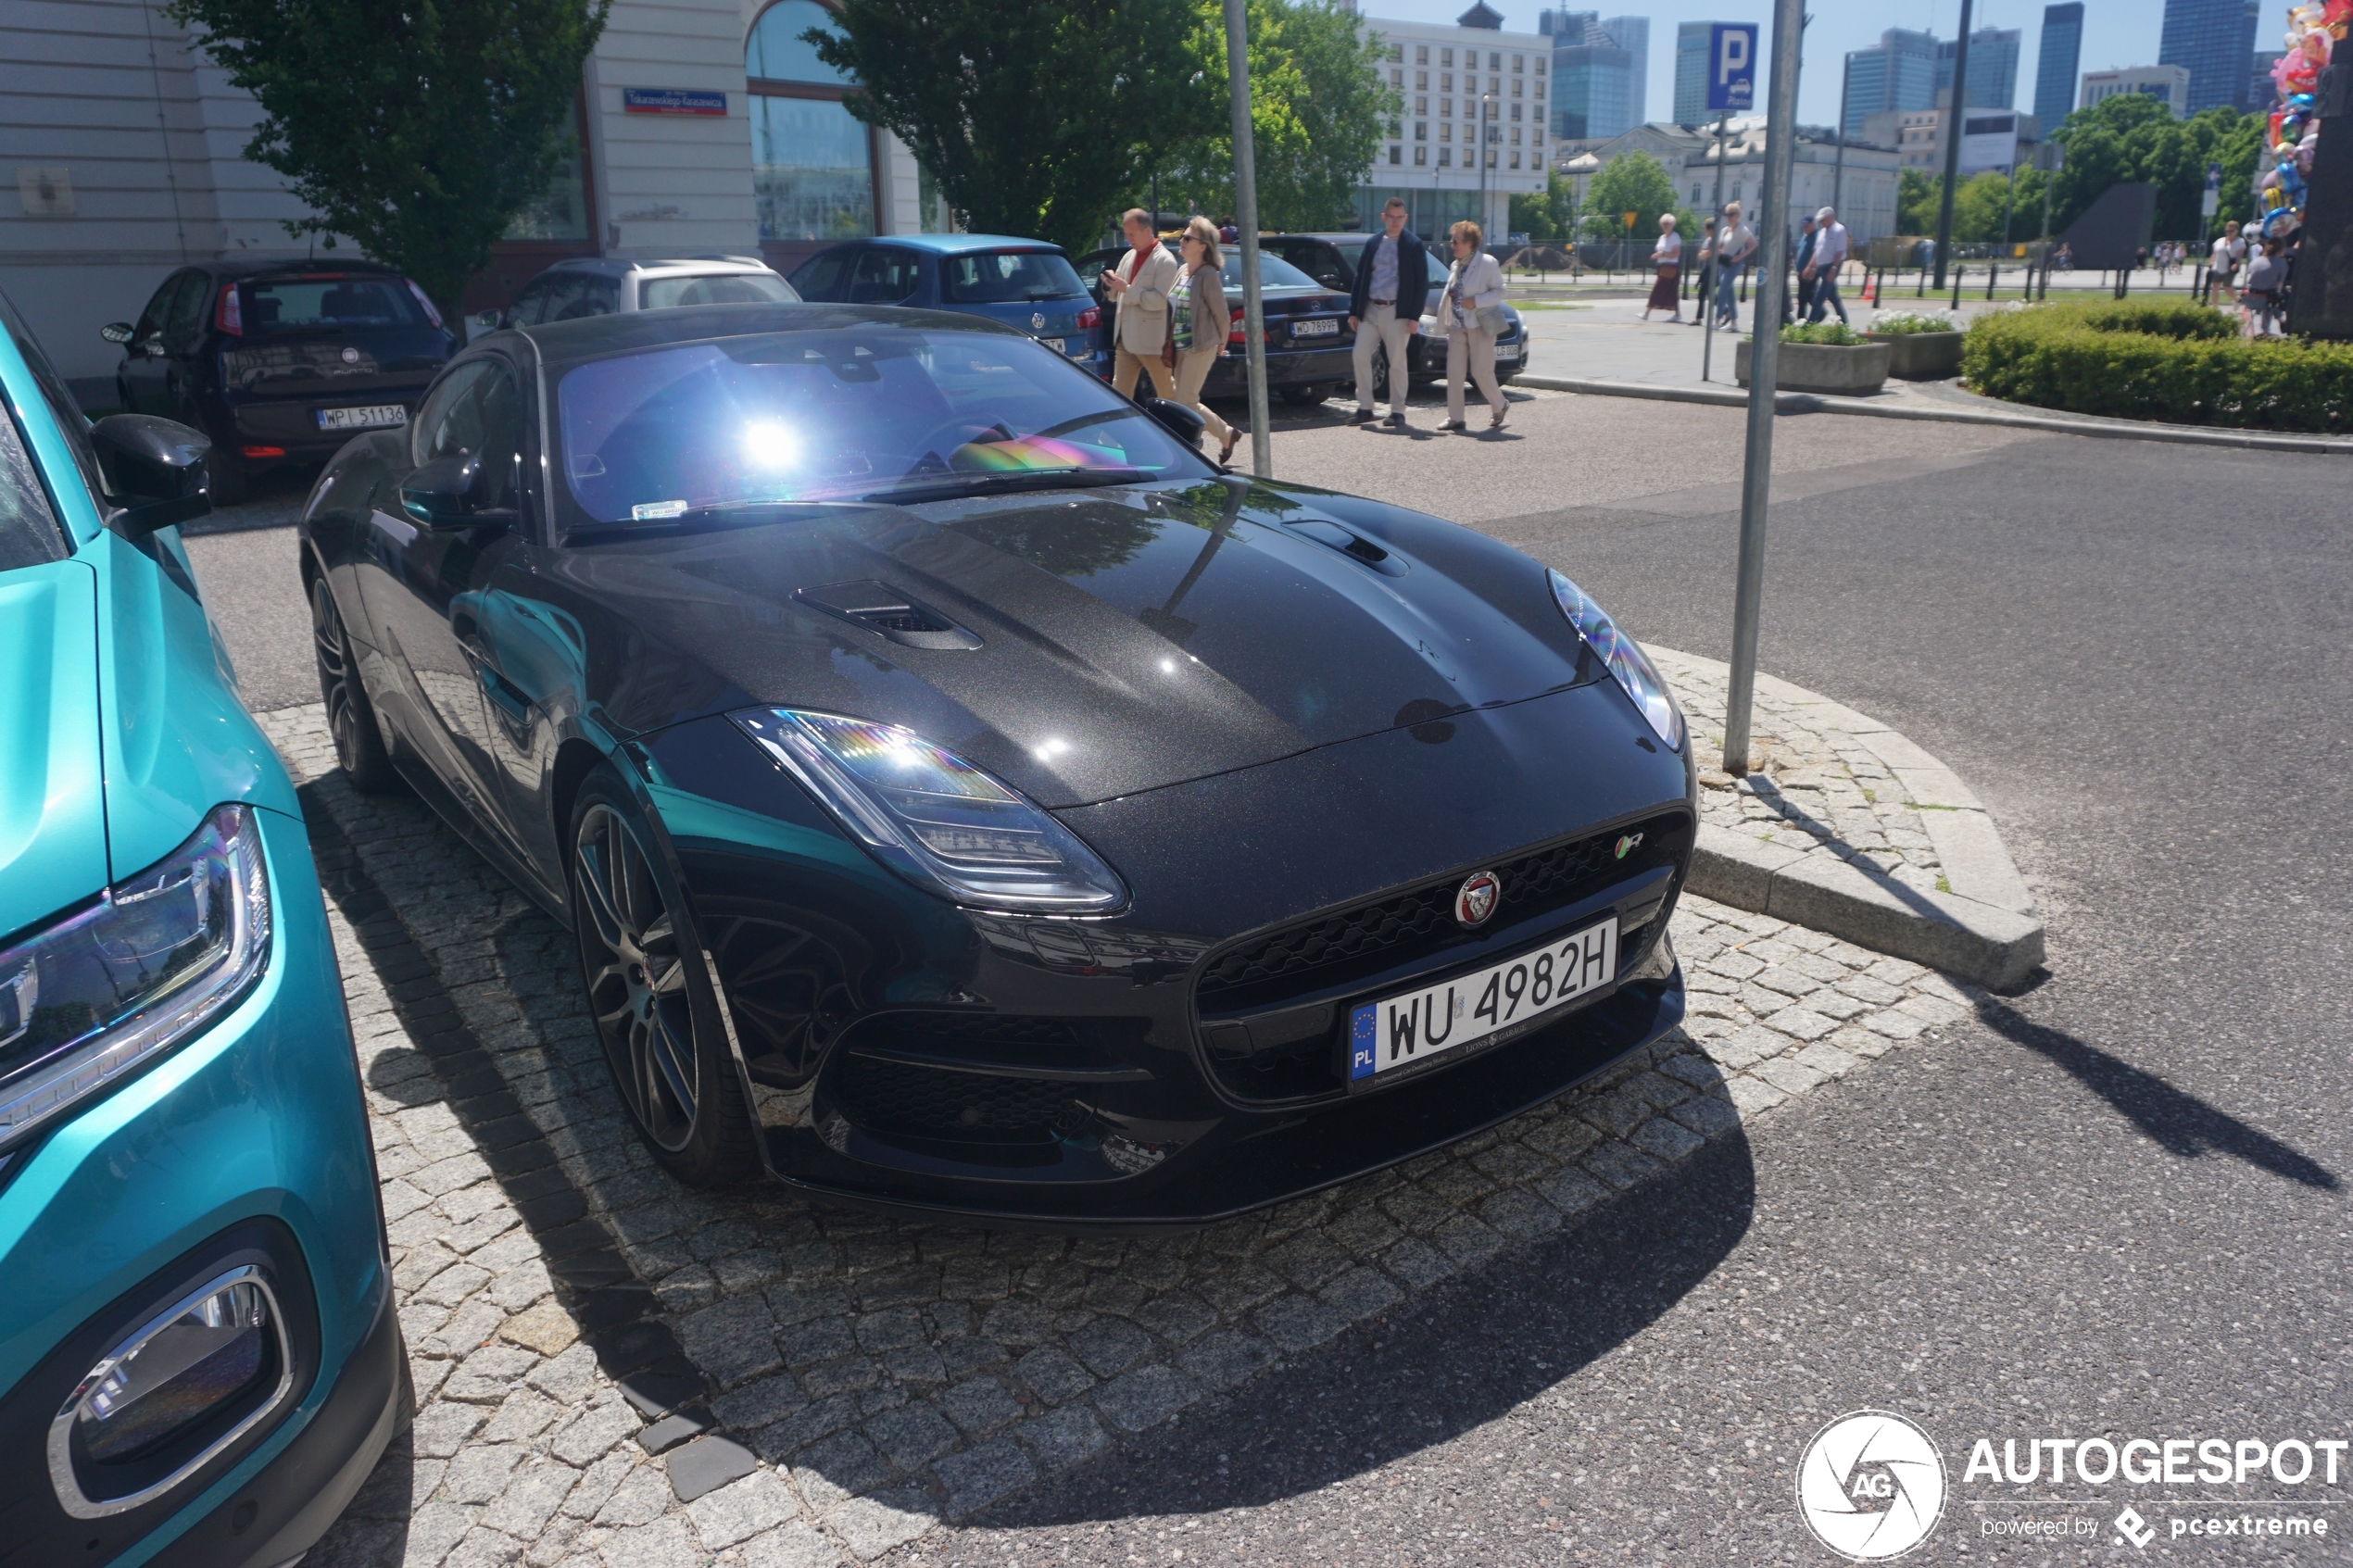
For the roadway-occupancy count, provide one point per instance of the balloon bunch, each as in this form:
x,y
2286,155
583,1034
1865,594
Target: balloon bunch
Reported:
x,y
2314,29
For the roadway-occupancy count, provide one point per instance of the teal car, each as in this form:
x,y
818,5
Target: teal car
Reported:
x,y
198,1349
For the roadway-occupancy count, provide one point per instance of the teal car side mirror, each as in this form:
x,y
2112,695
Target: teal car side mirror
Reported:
x,y
154,469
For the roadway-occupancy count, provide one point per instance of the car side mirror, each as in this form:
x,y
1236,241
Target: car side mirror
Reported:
x,y
118,332
154,469
1176,419
492,320
448,492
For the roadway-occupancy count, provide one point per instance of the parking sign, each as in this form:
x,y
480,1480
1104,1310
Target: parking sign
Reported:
x,y
1731,65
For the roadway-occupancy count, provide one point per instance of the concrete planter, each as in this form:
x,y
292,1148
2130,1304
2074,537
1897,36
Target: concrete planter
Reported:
x,y
1821,366
1923,355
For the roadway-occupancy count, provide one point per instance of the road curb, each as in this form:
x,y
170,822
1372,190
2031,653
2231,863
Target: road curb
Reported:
x,y
1810,402
1982,925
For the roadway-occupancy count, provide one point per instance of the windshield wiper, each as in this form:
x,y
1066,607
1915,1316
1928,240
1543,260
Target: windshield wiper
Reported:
x,y
999,484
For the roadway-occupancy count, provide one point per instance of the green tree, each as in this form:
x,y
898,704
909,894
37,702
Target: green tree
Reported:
x,y
1632,182
1033,119
1317,106
417,130
2132,137
1547,217
1979,205
1917,195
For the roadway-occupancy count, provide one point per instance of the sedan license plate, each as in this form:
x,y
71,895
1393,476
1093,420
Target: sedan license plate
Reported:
x,y
382,417
1486,1007
1326,328
1057,345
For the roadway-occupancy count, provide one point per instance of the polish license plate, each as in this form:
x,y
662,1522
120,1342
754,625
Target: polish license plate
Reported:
x,y
1059,346
382,417
1326,328
1484,1008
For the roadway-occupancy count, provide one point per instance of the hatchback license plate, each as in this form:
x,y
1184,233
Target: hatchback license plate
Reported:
x,y
1058,344
1485,1007
1314,328
382,417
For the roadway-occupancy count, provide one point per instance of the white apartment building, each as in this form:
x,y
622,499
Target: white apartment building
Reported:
x,y
704,126
1861,184
2171,83
1446,75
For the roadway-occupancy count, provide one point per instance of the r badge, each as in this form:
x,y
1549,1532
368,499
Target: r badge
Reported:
x,y
1475,901
1628,845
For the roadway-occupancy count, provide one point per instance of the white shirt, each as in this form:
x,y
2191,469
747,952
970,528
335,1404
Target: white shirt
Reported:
x,y
2222,260
1739,245
1829,245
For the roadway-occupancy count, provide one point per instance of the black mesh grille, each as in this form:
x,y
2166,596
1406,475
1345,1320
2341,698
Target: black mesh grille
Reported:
x,y
887,1097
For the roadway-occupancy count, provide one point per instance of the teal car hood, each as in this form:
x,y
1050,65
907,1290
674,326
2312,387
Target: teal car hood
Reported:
x,y
53,825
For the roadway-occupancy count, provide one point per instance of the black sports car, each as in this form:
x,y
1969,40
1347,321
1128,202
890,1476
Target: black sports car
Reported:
x,y
965,796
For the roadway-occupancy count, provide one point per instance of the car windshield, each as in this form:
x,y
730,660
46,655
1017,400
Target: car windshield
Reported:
x,y
867,412
317,302
717,288
1006,277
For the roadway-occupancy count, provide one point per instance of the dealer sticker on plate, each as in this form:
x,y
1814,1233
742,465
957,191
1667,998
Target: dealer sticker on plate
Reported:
x,y
1484,1007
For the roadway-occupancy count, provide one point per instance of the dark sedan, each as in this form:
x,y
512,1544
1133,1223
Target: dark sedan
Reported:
x,y
965,797
1330,259
1309,348
279,362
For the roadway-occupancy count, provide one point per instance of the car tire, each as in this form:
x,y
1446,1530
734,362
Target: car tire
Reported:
x,y
650,994
1304,397
351,718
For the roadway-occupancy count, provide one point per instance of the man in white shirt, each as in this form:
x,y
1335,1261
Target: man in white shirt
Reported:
x,y
2222,263
1829,255
1139,285
1738,249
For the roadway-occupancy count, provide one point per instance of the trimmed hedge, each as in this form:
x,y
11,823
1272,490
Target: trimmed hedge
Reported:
x,y
2170,360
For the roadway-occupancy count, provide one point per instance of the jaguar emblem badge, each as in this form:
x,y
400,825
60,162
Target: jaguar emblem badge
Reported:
x,y
1475,901
1038,320
1628,845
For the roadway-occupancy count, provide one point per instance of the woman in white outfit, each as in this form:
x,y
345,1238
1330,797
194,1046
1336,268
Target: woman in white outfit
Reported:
x,y
1470,312
1197,327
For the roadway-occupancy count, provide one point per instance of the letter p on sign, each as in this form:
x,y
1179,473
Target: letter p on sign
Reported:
x,y
1732,72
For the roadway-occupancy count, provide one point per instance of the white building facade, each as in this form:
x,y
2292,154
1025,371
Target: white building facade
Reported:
x,y
1445,76
1861,184
2168,84
704,126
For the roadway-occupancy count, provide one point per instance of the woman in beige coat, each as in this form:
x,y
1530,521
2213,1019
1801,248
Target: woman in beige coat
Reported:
x,y
1468,314
1197,325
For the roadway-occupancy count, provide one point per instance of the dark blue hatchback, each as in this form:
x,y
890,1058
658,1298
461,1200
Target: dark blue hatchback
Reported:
x,y
1026,285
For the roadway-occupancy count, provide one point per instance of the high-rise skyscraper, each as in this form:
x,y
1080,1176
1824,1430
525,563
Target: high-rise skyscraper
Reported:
x,y
1899,73
2213,40
1690,73
1633,35
2054,68
1992,68
1598,69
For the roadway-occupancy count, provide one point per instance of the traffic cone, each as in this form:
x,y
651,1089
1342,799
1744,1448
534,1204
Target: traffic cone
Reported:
x,y
1871,289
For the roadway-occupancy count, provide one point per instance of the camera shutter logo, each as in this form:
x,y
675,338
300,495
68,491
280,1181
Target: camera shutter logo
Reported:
x,y
1870,1485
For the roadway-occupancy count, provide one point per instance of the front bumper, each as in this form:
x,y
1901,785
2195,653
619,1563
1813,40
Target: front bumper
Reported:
x,y
254,1127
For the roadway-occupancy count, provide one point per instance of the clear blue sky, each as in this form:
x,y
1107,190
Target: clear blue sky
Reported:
x,y
2116,33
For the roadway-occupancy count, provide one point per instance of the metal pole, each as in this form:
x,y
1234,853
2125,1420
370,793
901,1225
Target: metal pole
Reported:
x,y
1716,267
1756,471
1838,168
1261,438
1952,129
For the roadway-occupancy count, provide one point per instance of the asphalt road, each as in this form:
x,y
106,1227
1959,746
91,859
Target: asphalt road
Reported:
x,y
2111,1206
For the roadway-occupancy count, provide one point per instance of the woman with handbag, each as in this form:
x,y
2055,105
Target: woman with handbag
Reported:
x,y
1668,257
1470,315
1197,327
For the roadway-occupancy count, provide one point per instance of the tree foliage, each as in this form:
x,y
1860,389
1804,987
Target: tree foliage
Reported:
x,y
1631,182
1317,107
1033,119
416,127
2131,136
1547,217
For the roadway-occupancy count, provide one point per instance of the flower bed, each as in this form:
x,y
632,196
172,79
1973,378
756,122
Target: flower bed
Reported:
x,y
1924,347
2172,360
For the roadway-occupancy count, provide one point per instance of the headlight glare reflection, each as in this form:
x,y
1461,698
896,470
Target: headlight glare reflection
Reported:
x,y
1625,657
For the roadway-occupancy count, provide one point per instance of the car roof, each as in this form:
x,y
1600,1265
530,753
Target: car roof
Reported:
x,y
593,337
288,267
957,245
626,267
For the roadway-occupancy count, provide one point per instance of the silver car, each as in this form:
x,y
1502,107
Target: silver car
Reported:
x,y
595,286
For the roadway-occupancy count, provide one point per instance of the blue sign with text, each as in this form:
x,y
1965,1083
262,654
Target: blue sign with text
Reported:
x,y
1731,66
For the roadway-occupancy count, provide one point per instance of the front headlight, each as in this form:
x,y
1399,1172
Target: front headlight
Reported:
x,y
1624,656
933,818
104,990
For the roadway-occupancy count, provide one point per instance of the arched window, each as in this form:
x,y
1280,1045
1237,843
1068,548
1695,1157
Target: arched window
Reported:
x,y
812,163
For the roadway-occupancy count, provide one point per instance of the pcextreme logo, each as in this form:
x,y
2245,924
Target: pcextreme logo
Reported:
x,y
1870,1485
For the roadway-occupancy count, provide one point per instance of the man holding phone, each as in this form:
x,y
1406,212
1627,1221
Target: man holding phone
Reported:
x,y
1139,286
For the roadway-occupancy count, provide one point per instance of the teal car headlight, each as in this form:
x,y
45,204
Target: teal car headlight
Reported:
x,y
101,992
935,818
1624,656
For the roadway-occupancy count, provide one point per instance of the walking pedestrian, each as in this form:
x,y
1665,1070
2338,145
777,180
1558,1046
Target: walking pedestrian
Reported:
x,y
1737,244
1707,272
1139,286
1829,255
1805,290
2260,300
1198,322
2222,263
1667,256
1385,308
1470,314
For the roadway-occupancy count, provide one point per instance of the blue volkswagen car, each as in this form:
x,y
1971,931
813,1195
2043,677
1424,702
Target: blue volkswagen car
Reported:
x,y
1026,285
198,1349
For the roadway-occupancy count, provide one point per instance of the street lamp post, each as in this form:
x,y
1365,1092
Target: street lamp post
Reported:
x,y
1261,438
1952,127
1838,167
1484,99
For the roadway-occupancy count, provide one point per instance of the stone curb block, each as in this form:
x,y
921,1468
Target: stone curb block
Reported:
x,y
1808,403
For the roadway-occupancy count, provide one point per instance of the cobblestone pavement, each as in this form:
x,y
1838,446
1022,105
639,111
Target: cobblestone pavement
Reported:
x,y
1811,784
615,1369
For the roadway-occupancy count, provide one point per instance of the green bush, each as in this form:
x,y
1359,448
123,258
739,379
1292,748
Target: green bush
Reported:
x,y
1905,323
1837,333
2173,362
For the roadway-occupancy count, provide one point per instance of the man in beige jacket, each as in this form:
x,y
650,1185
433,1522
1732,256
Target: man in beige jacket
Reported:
x,y
1139,285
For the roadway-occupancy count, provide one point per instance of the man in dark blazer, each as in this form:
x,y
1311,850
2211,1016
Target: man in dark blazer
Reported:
x,y
1385,308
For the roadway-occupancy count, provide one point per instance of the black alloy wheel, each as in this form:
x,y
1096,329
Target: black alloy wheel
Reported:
x,y
649,992
351,718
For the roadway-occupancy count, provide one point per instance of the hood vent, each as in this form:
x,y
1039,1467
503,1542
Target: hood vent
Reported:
x,y
883,609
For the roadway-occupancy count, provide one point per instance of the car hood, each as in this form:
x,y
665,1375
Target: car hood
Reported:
x,y
53,825
1126,639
